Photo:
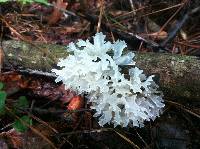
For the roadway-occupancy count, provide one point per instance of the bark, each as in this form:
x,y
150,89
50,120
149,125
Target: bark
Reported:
x,y
177,76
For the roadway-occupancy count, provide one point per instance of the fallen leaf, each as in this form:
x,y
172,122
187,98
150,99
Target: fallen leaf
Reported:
x,y
67,95
14,138
159,35
14,82
76,103
56,15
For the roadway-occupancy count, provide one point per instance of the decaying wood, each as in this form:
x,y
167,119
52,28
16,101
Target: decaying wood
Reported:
x,y
178,76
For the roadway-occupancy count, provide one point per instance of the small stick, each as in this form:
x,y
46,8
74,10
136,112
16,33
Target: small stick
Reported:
x,y
100,15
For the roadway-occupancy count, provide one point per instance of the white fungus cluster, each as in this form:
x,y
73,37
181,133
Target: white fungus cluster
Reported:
x,y
118,99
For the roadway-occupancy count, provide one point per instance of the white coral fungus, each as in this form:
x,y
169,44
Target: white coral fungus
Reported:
x,y
119,99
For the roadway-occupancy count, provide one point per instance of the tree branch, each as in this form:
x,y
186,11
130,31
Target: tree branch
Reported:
x,y
178,76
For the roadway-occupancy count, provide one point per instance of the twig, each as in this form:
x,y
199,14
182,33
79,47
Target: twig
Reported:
x,y
166,23
47,125
188,45
99,131
12,29
178,26
57,111
133,40
45,51
32,128
86,131
141,8
37,72
42,122
132,7
183,108
162,10
127,139
100,15
105,15
141,138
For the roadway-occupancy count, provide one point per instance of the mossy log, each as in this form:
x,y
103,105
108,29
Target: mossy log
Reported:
x,y
178,76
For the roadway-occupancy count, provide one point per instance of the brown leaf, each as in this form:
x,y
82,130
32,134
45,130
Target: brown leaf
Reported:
x,y
56,15
76,103
159,35
14,138
15,82
67,95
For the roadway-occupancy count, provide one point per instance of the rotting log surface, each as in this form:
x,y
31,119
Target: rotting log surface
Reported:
x,y
178,76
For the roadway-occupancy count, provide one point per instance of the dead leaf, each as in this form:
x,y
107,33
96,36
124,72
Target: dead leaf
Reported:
x,y
13,138
158,35
14,82
56,15
76,103
67,95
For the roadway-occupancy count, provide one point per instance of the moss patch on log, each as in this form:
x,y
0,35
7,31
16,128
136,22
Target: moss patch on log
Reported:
x,y
35,56
178,75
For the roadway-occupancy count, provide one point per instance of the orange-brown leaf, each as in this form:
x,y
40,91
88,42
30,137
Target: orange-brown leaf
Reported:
x,y
76,103
57,14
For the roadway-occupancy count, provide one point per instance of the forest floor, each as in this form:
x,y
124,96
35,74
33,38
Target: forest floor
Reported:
x,y
34,110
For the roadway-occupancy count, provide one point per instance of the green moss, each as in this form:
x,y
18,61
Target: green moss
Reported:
x,y
35,56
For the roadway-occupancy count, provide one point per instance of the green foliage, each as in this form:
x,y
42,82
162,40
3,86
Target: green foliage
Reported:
x,y
21,125
25,1
2,101
22,102
2,98
1,85
3,1
45,2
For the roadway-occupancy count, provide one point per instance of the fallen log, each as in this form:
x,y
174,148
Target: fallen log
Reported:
x,y
177,75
